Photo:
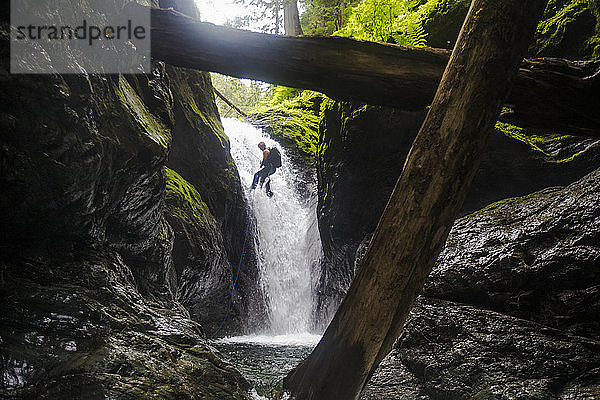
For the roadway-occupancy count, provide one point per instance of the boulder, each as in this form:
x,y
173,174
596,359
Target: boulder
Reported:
x,y
453,351
535,257
511,309
77,327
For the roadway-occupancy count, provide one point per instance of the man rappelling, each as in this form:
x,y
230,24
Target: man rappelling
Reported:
x,y
270,162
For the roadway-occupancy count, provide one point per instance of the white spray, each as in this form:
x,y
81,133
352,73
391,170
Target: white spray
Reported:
x,y
286,253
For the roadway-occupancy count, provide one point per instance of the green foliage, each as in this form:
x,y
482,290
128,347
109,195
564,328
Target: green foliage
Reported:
x,y
292,116
396,21
324,17
569,28
264,15
415,36
246,95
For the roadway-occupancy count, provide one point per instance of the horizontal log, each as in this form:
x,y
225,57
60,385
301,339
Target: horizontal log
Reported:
x,y
549,95
556,96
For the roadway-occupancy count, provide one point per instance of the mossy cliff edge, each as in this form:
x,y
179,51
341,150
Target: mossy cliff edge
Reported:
x,y
103,246
291,116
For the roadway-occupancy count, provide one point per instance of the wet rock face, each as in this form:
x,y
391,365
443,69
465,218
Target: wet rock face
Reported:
x,y
88,271
511,309
453,351
200,154
535,257
82,165
78,328
205,274
361,154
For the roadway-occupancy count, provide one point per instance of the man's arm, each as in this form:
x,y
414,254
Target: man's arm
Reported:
x,y
266,153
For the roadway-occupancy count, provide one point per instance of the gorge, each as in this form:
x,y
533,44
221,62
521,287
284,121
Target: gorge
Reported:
x,y
127,217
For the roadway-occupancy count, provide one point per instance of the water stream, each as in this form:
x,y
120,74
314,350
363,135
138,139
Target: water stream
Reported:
x,y
288,248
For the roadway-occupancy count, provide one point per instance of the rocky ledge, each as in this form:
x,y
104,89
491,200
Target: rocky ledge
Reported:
x,y
77,327
512,308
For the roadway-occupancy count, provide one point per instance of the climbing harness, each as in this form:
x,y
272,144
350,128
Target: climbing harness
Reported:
x,y
236,278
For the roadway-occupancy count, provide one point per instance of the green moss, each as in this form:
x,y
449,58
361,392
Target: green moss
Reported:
x,y
564,29
328,107
442,20
215,126
185,201
497,204
535,142
593,43
193,90
568,29
151,127
293,118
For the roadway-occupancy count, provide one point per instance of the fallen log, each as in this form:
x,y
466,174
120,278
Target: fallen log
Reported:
x,y
430,191
549,95
229,103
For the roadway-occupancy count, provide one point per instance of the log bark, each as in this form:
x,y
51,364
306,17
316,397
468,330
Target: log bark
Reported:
x,y
424,203
374,73
291,18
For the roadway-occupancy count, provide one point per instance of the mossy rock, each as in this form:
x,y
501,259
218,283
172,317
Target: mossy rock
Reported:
x,y
86,273
293,121
568,29
442,20
206,208
79,328
558,149
187,201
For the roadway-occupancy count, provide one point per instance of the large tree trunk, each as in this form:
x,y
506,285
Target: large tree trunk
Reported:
x,y
291,18
374,73
277,15
422,208
342,14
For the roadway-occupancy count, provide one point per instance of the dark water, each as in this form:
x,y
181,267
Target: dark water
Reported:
x,y
265,361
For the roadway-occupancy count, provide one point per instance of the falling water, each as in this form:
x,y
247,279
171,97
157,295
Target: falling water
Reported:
x,y
286,245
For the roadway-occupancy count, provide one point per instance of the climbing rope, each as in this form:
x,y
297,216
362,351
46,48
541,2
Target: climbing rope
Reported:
x,y
236,278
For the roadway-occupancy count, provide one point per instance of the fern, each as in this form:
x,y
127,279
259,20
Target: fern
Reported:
x,y
396,21
416,36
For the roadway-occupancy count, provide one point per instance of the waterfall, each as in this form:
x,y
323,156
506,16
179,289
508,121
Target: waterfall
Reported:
x,y
288,246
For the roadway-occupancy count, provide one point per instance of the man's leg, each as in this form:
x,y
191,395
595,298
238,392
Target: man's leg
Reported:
x,y
255,180
260,176
268,188
268,185
265,173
